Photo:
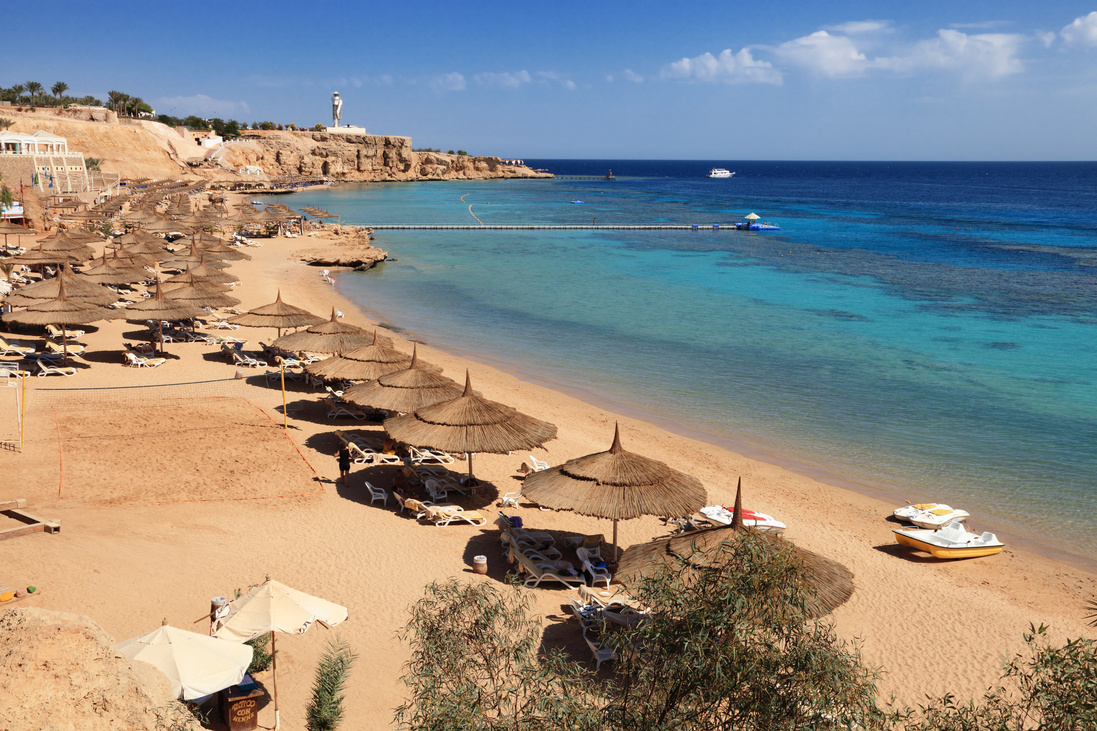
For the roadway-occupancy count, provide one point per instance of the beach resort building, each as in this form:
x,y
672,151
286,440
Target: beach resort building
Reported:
x,y
43,161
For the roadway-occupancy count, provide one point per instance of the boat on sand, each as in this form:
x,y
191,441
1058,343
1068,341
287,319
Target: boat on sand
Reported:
x,y
930,515
952,541
751,519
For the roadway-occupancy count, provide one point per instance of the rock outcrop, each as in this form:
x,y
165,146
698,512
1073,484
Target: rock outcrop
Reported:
x,y
62,671
347,246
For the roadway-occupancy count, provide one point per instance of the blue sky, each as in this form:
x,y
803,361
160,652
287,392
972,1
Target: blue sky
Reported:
x,y
717,81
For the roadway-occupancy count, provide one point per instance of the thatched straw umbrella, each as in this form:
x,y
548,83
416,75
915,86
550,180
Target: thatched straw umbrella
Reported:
x,y
405,391
41,257
331,336
161,308
8,228
363,364
162,226
61,311
227,253
202,295
77,287
833,582
470,423
616,484
278,315
215,280
114,271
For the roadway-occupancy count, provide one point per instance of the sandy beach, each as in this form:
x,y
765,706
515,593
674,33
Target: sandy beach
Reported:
x,y
189,489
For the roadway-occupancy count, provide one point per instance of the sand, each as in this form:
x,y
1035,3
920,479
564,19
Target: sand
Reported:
x,y
169,497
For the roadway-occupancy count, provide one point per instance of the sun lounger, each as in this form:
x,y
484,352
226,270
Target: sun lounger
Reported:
x,y
223,325
547,552
589,615
420,455
7,348
444,515
339,410
594,566
538,465
45,368
56,333
366,455
136,361
243,359
538,572
73,348
601,654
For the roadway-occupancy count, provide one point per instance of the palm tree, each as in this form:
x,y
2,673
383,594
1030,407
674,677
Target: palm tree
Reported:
x,y
58,89
135,103
18,90
116,98
34,89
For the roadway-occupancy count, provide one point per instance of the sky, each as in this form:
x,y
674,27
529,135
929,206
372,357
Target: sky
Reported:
x,y
723,80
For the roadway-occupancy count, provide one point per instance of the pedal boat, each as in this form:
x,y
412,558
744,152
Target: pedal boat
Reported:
x,y
930,515
952,541
751,519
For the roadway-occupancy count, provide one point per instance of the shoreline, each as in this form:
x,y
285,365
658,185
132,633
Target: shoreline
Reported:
x,y
371,559
786,457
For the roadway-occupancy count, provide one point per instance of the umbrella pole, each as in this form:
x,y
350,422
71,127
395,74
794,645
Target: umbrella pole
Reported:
x,y
615,541
274,674
282,371
471,478
160,325
64,346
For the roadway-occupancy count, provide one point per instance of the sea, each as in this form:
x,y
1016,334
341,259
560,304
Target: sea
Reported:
x,y
922,331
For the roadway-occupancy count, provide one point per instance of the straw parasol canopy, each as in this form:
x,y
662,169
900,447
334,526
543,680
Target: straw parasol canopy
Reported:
x,y
616,484
61,311
161,308
405,391
470,423
331,336
833,582
363,364
202,295
40,256
113,271
8,228
192,276
162,226
77,287
278,315
227,253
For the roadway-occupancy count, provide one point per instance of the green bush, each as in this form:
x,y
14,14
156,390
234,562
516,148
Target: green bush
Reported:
x,y
262,657
325,710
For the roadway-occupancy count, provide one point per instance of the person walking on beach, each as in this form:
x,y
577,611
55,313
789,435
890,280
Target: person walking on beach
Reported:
x,y
344,465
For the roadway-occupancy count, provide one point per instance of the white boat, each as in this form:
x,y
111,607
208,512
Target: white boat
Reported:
x,y
952,541
751,519
930,515
720,173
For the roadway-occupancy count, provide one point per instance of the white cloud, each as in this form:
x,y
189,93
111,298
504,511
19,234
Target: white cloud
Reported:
x,y
728,67
632,76
981,25
448,82
201,105
981,55
551,77
825,54
856,27
1046,37
1082,30
505,80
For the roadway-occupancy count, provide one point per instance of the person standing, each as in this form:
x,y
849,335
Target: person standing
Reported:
x,y
344,465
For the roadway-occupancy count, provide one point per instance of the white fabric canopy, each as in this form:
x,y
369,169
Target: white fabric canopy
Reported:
x,y
275,607
196,665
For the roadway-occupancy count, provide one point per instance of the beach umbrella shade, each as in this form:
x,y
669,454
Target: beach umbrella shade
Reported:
x,y
405,391
137,237
227,253
202,295
114,271
195,665
190,276
832,582
752,216
363,364
277,315
8,228
616,484
77,287
61,311
160,308
166,227
330,336
41,257
273,607
470,423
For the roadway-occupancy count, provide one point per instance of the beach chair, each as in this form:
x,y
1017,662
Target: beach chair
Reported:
x,y
446,514
419,455
367,455
7,348
136,361
338,410
589,615
376,493
594,566
45,368
223,325
243,359
73,348
57,333
538,465
600,653
537,572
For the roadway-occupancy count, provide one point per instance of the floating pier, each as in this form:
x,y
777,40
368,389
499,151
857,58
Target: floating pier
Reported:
x,y
553,227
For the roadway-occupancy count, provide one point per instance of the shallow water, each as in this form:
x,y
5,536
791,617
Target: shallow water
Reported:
x,y
924,329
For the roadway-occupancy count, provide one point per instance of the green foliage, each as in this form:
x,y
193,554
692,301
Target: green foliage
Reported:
x,y
426,149
58,89
231,129
106,228
92,163
1046,688
193,122
476,664
291,126
262,657
5,123
325,710
318,127
449,152
462,153
89,101
33,89
6,197
169,120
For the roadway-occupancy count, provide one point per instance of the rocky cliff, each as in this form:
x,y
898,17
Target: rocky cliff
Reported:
x,y
359,157
144,149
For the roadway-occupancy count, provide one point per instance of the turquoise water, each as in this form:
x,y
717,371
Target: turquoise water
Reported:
x,y
918,333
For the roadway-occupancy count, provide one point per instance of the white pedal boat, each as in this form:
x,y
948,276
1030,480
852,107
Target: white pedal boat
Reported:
x,y
930,515
952,541
751,519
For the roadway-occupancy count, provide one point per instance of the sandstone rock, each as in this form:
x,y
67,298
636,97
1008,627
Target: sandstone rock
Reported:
x,y
62,671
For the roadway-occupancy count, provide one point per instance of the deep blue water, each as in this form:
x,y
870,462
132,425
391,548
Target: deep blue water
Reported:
x,y
925,330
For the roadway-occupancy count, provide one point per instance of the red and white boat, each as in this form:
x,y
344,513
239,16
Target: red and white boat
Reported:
x,y
751,519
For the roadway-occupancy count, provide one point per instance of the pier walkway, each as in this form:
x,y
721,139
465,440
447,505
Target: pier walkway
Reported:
x,y
552,227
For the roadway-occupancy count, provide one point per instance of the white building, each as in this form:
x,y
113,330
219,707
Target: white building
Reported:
x,y
42,160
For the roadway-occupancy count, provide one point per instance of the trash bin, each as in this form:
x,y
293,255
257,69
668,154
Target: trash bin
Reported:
x,y
241,705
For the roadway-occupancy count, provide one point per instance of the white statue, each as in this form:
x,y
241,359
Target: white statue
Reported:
x,y
336,108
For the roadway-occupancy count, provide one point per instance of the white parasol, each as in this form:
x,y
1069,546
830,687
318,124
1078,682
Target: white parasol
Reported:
x,y
196,665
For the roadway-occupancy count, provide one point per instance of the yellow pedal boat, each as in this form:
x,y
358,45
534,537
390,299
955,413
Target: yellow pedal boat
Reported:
x,y
952,541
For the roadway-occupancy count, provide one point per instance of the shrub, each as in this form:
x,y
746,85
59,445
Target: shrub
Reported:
x,y
262,657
